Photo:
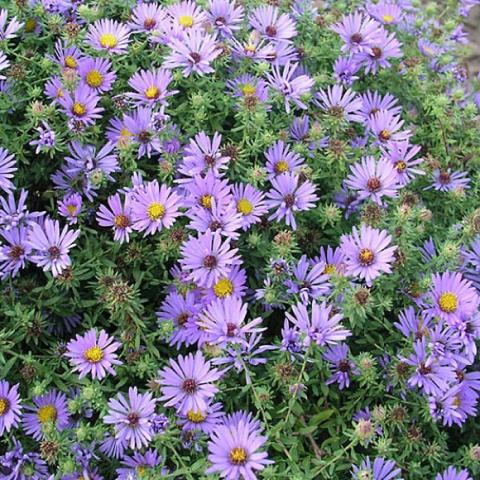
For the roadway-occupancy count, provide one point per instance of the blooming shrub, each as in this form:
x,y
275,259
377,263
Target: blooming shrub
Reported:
x,y
239,239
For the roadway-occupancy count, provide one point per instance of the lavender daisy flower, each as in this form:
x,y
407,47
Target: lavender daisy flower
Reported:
x,y
82,106
289,197
14,215
50,246
451,473
380,470
248,87
290,84
333,259
4,64
151,87
412,325
386,12
402,154
281,160
203,154
358,31
453,297
227,222
193,53
7,169
382,47
345,70
139,464
223,321
367,253
108,35
147,17
341,366
10,407
51,408
8,30
47,138
67,58
187,15
385,126
309,280
321,327
15,251
448,181
155,207
340,103
271,24
250,204
373,102
208,258
70,207
118,216
131,417
17,463
187,383
254,48
206,421
54,89
235,451
96,74
140,127
373,180
91,355
225,16
234,284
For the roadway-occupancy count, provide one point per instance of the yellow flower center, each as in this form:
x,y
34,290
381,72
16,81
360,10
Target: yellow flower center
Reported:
x,y
121,221
329,269
448,302
248,89
4,406
152,92
155,211
238,456
94,78
223,288
125,133
281,166
59,93
366,256
79,109
70,62
93,354
250,48
108,40
401,166
186,21
47,413
244,206
388,18
206,201
196,417
72,210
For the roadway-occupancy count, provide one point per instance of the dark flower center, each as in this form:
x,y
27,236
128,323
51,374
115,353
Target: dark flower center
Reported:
x,y
182,319
231,327
215,225
373,184
54,252
384,135
144,136
424,370
344,366
356,38
189,386
149,23
336,111
289,200
209,261
16,252
209,160
271,30
376,53
133,418
220,21
444,177
196,57
121,221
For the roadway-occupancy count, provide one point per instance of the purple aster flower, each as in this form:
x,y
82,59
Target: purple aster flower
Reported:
x,y
91,355
203,154
291,341
187,383
193,53
429,49
8,30
373,102
271,24
225,16
340,103
16,464
341,366
82,106
332,259
380,470
385,125
402,154
140,127
112,447
51,408
358,31
234,284
14,215
288,197
412,325
432,375
151,87
187,15
453,297
131,417
7,168
10,407
109,36
281,160
223,321
147,17
382,47
386,12
154,207
345,70
373,180
4,64
14,252
118,216
250,204
451,473
70,207
248,87
47,138
321,327
96,74
290,84
204,421
236,451
50,246
139,464
67,58
208,258
54,89
448,181
367,252
255,48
